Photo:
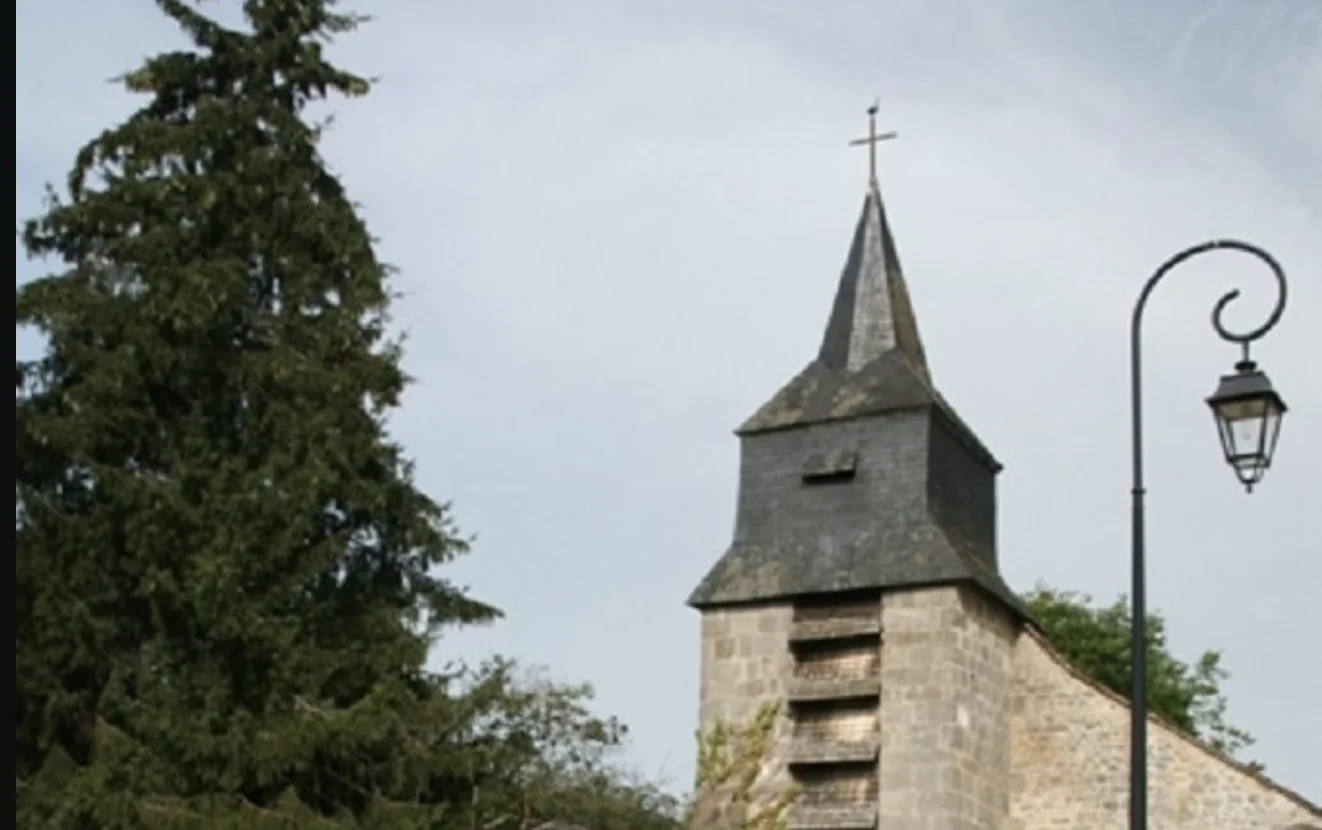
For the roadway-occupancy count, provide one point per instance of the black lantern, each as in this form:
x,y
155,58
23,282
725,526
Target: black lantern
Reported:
x,y
1248,416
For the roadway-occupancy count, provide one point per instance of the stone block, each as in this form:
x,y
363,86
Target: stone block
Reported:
x,y
811,630
854,817
813,750
833,688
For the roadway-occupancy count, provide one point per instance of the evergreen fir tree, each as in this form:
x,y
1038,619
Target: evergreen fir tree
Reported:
x,y
226,582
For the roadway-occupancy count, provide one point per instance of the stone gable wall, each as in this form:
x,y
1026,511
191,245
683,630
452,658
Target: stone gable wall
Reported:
x,y
1070,761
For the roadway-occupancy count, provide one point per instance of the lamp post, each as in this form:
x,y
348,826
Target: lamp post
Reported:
x,y
1248,416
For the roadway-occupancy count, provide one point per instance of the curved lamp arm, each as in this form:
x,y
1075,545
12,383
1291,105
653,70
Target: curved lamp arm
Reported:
x,y
1244,339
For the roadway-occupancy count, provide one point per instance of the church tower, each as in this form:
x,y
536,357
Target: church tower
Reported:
x,y
861,593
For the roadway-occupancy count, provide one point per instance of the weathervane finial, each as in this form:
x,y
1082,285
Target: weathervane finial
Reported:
x,y
872,139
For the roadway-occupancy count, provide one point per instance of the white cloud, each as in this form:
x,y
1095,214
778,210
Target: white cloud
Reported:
x,y
620,230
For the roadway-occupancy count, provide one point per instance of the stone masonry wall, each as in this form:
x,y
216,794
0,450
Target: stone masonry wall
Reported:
x,y
1070,758
945,711
746,663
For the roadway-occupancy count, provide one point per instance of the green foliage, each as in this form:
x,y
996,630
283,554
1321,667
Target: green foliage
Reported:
x,y
226,578
536,754
1096,641
731,766
502,749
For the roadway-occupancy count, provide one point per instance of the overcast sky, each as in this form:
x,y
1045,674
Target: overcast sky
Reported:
x,y
620,225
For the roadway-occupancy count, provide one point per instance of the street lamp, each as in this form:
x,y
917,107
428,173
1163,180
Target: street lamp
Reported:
x,y
1248,415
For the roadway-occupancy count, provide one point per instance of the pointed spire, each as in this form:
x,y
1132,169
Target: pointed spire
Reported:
x,y
872,313
871,360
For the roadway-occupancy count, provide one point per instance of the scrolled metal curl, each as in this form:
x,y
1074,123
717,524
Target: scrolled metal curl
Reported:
x,y
1218,310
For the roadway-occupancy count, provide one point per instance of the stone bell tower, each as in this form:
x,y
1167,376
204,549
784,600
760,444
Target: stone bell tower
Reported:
x,y
861,592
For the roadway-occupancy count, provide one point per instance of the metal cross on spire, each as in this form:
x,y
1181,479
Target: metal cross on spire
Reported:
x,y
872,140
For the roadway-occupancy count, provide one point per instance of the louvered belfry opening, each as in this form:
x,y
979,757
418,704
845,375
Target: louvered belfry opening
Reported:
x,y
833,702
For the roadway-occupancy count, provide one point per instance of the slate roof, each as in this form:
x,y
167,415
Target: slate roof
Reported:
x,y
871,358
871,362
872,313
911,558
